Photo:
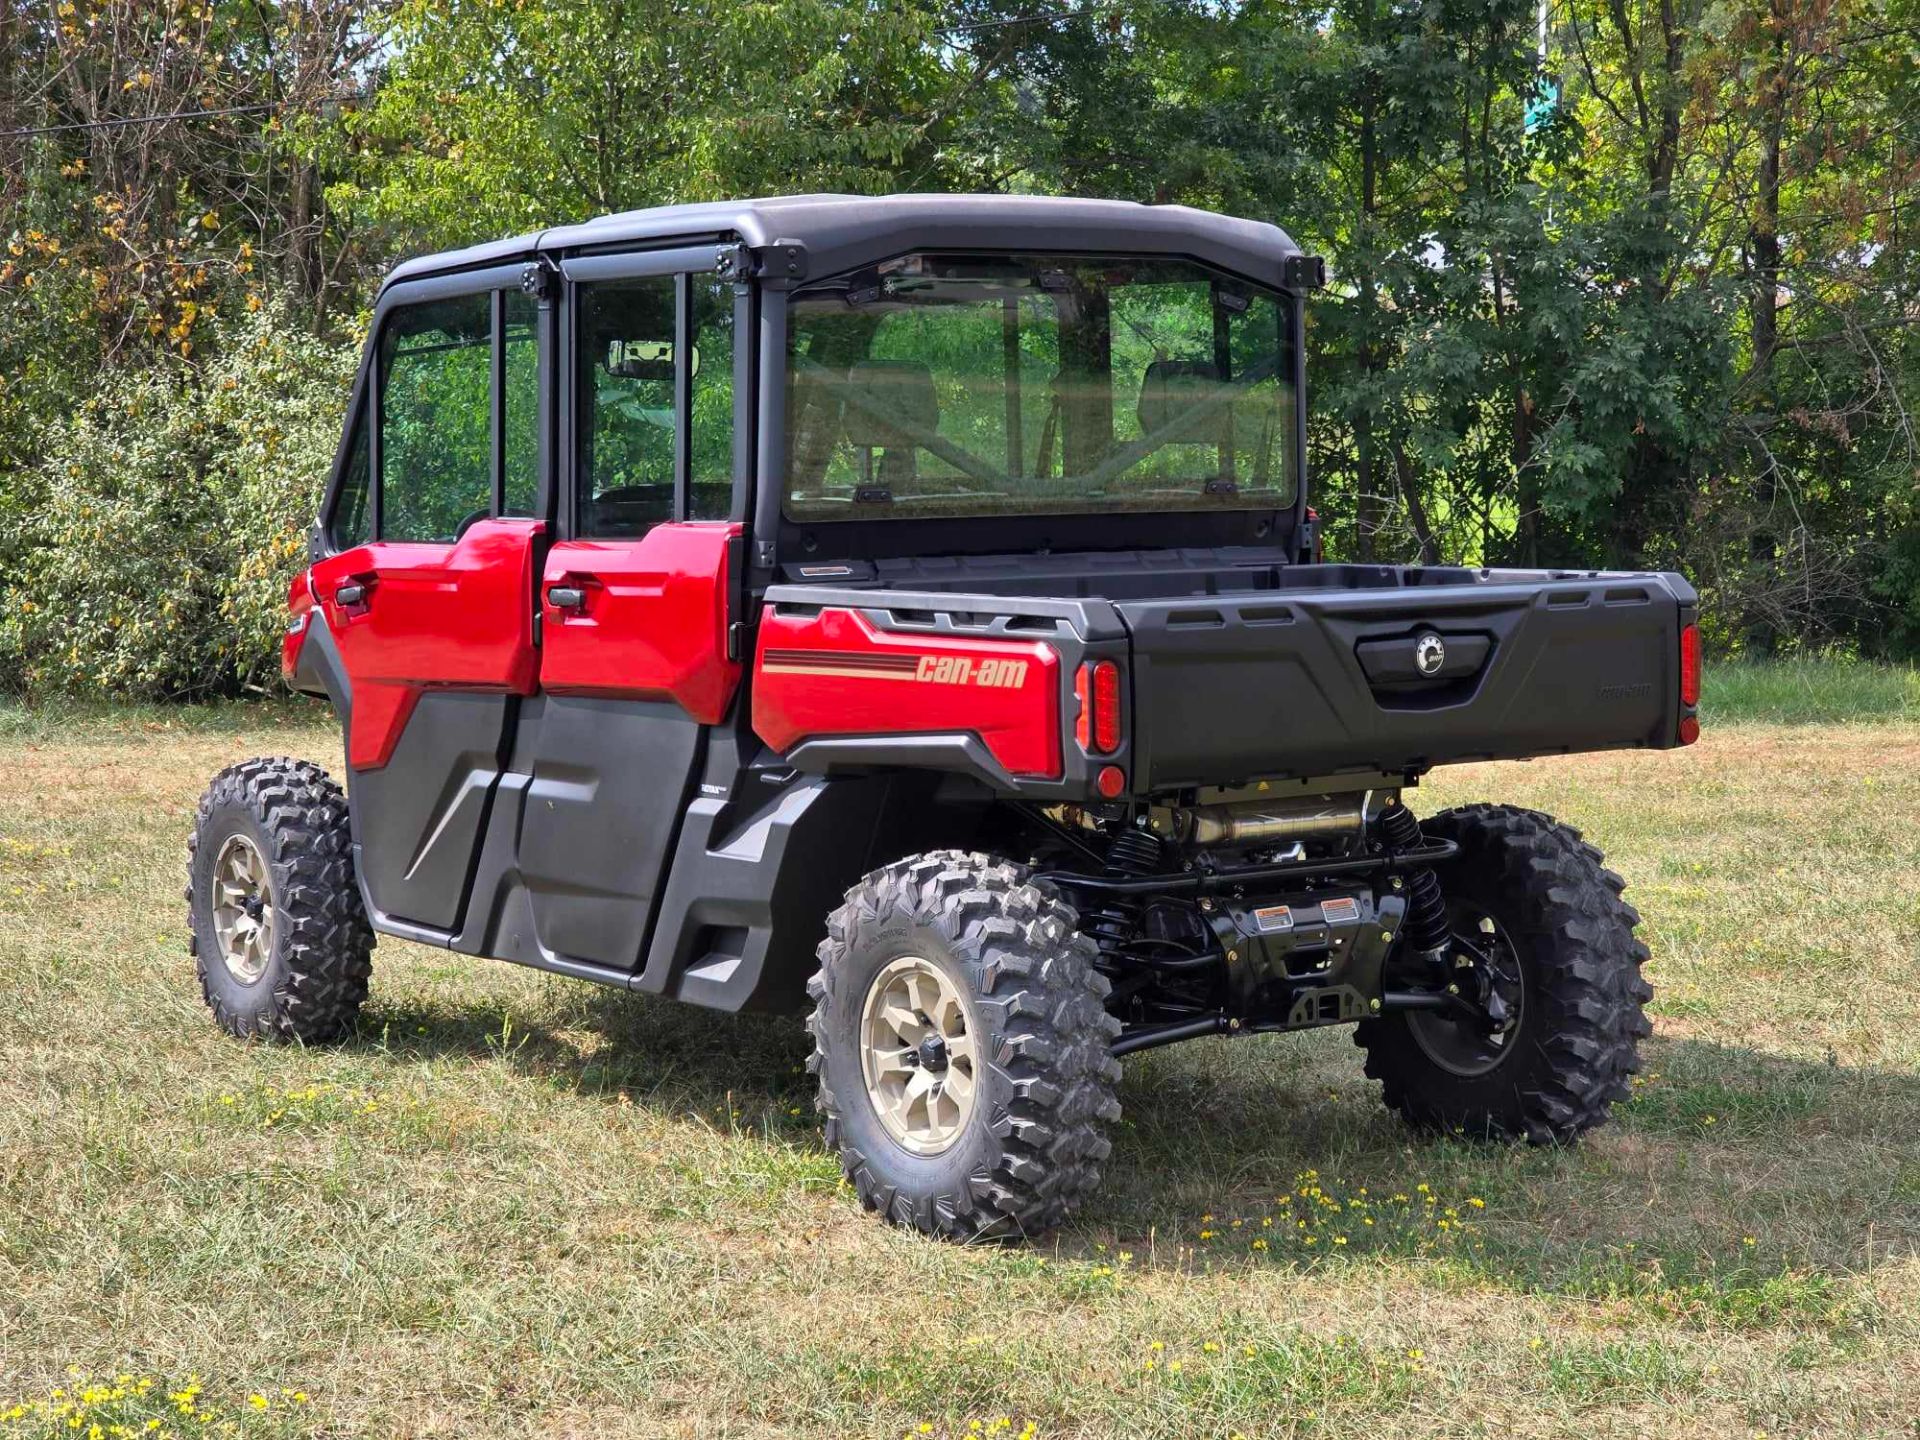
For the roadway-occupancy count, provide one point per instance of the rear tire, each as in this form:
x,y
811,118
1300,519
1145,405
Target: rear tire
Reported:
x,y
276,926
1581,1020
950,966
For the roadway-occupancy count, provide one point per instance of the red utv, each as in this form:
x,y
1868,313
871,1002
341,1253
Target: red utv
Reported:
x,y
906,611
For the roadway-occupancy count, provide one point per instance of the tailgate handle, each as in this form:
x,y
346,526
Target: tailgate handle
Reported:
x,y
353,594
567,597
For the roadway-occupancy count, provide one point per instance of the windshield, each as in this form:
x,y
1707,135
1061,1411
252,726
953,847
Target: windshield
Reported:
x,y
936,385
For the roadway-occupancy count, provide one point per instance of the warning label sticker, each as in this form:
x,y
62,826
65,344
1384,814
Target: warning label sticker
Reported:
x,y
1273,917
1341,910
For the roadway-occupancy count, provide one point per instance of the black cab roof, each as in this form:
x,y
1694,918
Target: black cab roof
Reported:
x,y
842,232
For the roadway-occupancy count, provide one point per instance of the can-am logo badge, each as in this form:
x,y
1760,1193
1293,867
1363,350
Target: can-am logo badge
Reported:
x,y
963,670
1429,654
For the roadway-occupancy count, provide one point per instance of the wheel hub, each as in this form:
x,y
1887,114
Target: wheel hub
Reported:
x,y
1487,978
918,1055
240,902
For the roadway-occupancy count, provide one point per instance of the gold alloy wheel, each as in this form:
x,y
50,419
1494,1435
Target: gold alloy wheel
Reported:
x,y
918,1056
241,901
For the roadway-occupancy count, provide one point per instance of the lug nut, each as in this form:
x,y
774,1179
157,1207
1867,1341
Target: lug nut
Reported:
x,y
1374,1004
1233,957
1453,989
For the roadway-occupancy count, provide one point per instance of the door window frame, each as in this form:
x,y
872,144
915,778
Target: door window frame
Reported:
x,y
685,264
366,406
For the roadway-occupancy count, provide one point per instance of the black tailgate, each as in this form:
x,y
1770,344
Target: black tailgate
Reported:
x,y
1311,682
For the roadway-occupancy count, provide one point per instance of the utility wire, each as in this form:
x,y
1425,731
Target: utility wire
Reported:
x,y
118,121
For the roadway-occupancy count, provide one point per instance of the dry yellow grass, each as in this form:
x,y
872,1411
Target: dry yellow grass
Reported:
x,y
522,1206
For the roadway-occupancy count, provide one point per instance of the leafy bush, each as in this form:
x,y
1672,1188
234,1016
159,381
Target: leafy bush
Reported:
x,y
171,516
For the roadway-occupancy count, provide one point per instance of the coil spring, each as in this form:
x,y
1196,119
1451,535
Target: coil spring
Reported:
x,y
1133,852
1426,924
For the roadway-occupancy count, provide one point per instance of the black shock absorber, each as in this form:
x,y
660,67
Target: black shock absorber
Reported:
x,y
1426,925
1132,853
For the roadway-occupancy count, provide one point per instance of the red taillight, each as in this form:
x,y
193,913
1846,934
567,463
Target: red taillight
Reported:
x,y
1097,687
1106,706
1690,665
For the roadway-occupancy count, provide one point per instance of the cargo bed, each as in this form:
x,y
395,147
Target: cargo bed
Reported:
x,y
1240,672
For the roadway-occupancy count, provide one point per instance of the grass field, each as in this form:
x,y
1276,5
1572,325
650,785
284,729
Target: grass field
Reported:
x,y
523,1206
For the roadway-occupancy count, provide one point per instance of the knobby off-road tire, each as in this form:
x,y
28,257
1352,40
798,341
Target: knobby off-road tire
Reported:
x,y
1581,1019
277,930
1030,1146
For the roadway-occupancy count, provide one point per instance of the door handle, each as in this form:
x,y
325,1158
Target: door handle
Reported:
x,y
355,594
567,597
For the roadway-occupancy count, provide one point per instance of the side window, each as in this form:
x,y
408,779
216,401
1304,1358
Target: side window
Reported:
x,y
351,524
625,381
436,445
710,434
520,399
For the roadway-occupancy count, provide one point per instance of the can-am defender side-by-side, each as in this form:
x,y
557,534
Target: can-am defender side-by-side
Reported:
x,y
907,612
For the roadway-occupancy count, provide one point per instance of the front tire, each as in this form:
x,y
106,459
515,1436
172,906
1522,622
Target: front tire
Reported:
x,y
962,1046
276,925
1543,902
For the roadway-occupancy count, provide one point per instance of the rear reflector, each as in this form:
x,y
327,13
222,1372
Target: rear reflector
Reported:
x,y
1689,729
1110,781
1690,665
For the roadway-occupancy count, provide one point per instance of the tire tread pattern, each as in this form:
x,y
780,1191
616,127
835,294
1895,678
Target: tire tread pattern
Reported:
x,y
1034,971
322,940
1589,991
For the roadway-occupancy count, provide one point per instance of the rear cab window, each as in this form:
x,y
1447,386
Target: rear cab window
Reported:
x,y
967,386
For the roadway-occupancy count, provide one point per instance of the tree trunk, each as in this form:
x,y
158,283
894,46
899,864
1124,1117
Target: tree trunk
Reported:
x,y
1366,504
1765,235
1526,480
1416,511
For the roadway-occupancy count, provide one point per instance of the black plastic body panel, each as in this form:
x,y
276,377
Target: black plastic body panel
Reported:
x,y
1229,688
766,855
609,782
583,820
418,818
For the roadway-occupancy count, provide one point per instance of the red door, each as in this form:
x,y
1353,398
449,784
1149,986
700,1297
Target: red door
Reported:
x,y
409,617
435,641
633,668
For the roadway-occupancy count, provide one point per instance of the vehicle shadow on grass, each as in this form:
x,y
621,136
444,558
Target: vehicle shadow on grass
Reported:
x,y
612,1044
1734,1183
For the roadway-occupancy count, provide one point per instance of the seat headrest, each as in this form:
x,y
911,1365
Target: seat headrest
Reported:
x,y
877,389
1171,387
